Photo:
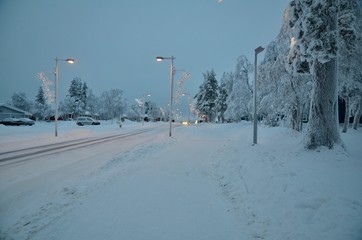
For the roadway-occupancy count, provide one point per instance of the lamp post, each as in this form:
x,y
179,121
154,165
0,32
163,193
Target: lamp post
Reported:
x,y
160,59
68,60
255,118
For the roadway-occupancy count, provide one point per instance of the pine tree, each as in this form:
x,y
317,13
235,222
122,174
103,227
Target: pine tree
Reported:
x,y
221,104
75,89
41,105
40,97
206,98
77,97
84,94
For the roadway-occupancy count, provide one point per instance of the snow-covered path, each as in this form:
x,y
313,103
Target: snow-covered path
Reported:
x,y
167,194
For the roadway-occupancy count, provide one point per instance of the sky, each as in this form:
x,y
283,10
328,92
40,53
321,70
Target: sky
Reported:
x,y
115,42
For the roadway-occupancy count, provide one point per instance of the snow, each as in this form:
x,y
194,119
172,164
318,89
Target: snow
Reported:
x,y
206,182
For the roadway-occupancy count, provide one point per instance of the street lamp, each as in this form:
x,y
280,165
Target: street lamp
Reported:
x,y
70,61
160,59
255,119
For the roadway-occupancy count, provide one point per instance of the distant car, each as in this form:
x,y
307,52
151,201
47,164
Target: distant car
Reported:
x,y
17,122
81,121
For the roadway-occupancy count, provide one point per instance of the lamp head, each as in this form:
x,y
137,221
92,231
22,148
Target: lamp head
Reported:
x,y
159,59
70,60
259,50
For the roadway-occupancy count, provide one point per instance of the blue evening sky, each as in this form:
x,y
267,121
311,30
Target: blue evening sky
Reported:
x,y
115,42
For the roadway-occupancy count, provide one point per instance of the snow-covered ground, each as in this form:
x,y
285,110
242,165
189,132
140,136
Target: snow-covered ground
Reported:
x,y
206,182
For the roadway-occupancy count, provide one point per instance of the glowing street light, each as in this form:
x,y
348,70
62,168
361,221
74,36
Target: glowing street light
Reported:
x,y
160,59
70,61
255,118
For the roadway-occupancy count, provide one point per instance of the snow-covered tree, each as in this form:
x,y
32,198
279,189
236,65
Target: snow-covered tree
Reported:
x,y
349,54
152,111
41,106
19,100
92,105
75,102
112,104
282,93
314,49
84,94
221,104
46,85
240,96
133,112
207,95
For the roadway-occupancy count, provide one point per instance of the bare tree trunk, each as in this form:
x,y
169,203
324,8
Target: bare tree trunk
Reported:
x,y
346,114
357,115
323,117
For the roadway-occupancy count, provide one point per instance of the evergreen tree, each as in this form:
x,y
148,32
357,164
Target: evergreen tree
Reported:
x,y
221,104
84,94
206,98
40,97
76,101
75,89
41,105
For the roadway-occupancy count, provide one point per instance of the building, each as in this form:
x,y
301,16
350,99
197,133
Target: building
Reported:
x,y
7,111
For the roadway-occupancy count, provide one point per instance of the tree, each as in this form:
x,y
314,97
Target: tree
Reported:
x,y
239,98
40,97
206,98
152,111
84,94
282,94
19,100
46,85
314,49
76,100
92,104
221,104
348,56
358,76
41,105
112,104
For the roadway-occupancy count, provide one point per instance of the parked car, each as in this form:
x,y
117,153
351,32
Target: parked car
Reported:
x,y
26,121
17,122
81,121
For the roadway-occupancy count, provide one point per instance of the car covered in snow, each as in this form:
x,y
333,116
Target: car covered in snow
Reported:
x,y
81,121
17,122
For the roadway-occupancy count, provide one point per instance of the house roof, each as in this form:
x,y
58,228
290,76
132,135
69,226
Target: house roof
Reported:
x,y
14,109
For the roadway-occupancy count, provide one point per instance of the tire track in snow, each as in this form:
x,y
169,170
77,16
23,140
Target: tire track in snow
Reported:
x,y
17,156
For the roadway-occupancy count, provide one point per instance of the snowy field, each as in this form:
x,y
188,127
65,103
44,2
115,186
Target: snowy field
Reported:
x,y
206,182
